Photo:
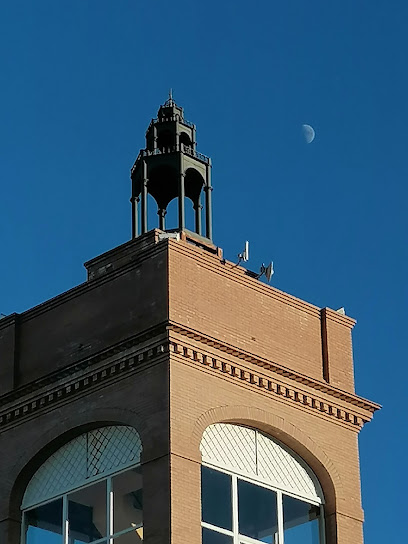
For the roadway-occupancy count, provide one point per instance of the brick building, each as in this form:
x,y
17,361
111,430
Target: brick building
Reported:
x,y
173,397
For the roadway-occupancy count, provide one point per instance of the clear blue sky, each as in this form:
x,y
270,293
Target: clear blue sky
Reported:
x,y
80,80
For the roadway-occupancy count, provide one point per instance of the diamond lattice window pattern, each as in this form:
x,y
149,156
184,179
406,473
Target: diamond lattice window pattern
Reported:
x,y
98,453
250,453
230,446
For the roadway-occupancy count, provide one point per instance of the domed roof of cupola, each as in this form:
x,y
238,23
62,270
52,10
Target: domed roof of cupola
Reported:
x,y
170,108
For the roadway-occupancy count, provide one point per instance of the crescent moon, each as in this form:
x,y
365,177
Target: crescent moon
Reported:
x,y
308,133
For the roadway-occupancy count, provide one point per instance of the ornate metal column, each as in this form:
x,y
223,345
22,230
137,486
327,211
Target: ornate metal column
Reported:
x,y
162,214
208,204
144,199
181,202
197,209
135,216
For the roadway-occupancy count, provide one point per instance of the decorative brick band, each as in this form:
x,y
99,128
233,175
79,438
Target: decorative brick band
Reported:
x,y
287,373
100,368
271,386
135,362
84,364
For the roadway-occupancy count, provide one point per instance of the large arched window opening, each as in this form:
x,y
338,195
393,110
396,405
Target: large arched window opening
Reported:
x,y
90,490
254,489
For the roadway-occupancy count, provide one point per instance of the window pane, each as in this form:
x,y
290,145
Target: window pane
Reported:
x,y
257,512
216,498
212,537
87,514
127,500
44,524
300,521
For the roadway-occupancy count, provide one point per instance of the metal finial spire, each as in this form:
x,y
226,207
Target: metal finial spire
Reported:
x,y
170,94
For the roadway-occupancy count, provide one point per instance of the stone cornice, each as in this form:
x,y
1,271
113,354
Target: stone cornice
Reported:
x,y
357,404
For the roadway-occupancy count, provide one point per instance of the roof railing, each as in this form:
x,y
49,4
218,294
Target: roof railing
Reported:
x,y
193,153
171,149
171,118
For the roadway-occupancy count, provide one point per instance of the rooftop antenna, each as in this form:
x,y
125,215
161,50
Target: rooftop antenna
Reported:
x,y
266,271
244,256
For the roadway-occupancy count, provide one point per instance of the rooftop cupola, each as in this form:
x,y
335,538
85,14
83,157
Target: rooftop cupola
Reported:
x,y
171,167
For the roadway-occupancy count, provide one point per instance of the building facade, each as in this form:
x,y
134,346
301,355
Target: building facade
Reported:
x,y
173,397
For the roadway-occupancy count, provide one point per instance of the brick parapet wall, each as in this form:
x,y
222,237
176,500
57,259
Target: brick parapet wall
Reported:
x,y
213,296
86,320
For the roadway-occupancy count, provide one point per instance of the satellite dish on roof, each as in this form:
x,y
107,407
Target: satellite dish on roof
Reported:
x,y
267,271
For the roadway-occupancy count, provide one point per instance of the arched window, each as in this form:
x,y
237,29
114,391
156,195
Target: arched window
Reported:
x,y
90,490
254,489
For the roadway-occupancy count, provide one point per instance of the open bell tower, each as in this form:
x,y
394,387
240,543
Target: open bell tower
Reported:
x,y
171,167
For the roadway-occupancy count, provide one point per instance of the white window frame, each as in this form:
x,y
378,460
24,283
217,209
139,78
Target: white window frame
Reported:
x,y
237,538
110,536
